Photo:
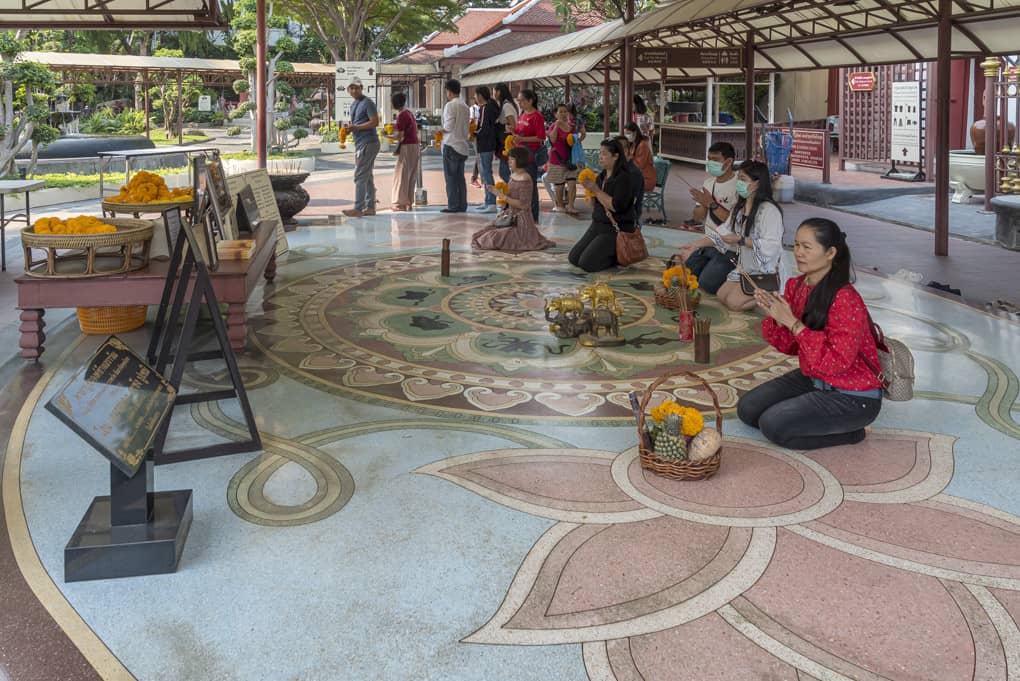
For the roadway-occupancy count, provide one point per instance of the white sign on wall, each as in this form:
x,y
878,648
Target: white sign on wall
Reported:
x,y
205,103
345,72
905,137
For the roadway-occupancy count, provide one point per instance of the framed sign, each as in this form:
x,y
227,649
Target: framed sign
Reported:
x,y
248,217
905,133
172,227
862,81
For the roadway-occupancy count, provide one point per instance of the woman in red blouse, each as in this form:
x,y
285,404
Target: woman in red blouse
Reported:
x,y
530,132
823,320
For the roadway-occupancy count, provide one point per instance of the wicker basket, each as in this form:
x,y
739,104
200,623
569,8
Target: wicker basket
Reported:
x,y
674,468
671,301
76,256
138,209
107,320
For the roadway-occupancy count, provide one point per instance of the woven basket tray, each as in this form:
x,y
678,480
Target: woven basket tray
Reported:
x,y
137,209
673,468
76,256
671,301
107,320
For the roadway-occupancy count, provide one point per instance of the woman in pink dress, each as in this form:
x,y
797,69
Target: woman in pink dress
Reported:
x,y
524,235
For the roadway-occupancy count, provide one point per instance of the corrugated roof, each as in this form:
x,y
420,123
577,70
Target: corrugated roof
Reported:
x,y
126,62
557,66
150,14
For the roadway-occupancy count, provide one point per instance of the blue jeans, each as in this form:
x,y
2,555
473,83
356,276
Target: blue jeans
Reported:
x,y
456,183
485,169
711,267
504,170
793,413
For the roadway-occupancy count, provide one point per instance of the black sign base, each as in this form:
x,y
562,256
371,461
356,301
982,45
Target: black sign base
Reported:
x,y
100,550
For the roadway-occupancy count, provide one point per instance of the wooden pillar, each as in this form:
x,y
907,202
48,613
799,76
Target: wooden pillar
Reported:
x,y
942,78
605,99
749,98
990,66
145,98
566,89
180,108
627,74
261,83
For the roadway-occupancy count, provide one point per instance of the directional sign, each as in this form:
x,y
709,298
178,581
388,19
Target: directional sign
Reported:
x,y
688,57
346,71
905,133
862,81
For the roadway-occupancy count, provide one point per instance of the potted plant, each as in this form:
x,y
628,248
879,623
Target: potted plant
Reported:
x,y
329,142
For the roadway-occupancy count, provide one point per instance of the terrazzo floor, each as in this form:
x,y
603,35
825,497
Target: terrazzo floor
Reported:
x,y
448,492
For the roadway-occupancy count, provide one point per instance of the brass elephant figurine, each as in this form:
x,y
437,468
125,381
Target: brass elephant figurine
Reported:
x,y
600,295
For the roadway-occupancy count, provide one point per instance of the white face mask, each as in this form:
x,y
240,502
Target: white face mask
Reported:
x,y
630,136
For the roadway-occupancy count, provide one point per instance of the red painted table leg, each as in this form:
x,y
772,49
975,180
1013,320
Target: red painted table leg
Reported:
x,y
237,326
32,336
270,272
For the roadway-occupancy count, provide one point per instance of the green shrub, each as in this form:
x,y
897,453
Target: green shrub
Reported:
x,y
234,131
241,85
299,133
298,121
281,124
101,122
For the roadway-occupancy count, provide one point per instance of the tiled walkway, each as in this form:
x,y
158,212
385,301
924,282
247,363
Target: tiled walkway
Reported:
x,y
449,492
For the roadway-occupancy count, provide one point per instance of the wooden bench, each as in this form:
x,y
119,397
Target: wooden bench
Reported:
x,y
233,281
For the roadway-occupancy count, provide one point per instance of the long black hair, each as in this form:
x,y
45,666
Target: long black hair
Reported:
x,y
758,172
636,129
502,92
828,235
640,107
614,147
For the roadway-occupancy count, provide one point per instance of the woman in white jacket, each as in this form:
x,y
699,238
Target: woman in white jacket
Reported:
x,y
755,226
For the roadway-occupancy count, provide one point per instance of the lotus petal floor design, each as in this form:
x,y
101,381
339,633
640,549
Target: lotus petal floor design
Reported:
x,y
448,492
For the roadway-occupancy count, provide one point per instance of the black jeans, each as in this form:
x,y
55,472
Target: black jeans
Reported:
x,y
711,267
533,171
456,184
596,249
793,413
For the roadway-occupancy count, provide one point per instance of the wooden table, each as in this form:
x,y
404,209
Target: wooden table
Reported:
x,y
233,281
14,187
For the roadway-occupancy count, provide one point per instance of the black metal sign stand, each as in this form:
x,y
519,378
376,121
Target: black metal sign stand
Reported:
x,y
172,344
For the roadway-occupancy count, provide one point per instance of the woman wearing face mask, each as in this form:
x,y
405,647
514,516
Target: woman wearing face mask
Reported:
x,y
834,395
755,229
641,154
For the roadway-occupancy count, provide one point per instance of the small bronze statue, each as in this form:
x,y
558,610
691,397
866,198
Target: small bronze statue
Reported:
x,y
597,325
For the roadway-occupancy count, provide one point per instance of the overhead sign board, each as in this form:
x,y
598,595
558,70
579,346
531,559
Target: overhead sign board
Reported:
x,y
905,133
346,71
862,81
688,57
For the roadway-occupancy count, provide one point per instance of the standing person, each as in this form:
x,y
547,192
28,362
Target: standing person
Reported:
x,y
560,174
715,199
641,156
530,132
364,121
455,148
580,132
755,228
508,121
486,140
524,234
406,171
642,117
834,395
474,120
613,209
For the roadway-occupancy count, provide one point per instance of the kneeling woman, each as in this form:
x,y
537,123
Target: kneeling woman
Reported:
x,y
823,320
523,235
613,208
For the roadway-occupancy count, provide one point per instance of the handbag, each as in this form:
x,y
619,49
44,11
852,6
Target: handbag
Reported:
x,y
896,365
767,282
630,246
505,219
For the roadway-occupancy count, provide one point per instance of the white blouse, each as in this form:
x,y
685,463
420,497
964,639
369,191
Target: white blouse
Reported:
x,y
763,249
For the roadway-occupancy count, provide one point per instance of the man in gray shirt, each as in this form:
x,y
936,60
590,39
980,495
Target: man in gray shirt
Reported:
x,y
455,148
364,121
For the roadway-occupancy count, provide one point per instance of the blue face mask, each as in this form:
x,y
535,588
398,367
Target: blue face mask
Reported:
x,y
743,189
715,168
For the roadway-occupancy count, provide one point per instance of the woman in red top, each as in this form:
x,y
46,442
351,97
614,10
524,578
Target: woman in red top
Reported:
x,y
823,320
530,132
405,133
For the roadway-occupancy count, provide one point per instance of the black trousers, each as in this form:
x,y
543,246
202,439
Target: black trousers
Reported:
x,y
711,267
596,249
793,413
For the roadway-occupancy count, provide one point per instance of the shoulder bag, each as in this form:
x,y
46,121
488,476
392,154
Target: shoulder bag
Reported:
x,y
896,365
630,246
505,219
767,281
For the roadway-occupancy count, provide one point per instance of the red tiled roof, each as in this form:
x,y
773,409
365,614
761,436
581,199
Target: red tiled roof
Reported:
x,y
544,14
470,27
505,43
419,57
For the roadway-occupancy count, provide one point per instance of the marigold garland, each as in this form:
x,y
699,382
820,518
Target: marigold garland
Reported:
x,y
146,187
81,224
681,273
691,420
501,188
584,176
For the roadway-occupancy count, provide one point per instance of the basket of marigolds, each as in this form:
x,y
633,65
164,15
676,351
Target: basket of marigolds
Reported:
x,y
85,246
674,440
679,289
148,193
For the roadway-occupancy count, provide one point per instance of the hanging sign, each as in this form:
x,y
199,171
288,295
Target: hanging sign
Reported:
x,y
688,57
347,71
905,134
862,81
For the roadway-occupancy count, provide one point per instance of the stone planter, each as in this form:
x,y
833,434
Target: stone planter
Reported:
x,y
291,197
329,147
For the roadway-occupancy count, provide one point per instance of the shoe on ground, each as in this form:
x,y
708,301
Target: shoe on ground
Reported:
x,y
476,183
487,209
451,210
352,213
368,211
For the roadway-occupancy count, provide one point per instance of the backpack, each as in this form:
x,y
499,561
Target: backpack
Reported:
x,y
896,370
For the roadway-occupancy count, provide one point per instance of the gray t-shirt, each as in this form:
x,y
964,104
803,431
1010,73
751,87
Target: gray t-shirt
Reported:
x,y
362,111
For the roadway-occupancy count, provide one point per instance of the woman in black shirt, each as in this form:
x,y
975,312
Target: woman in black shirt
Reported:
x,y
613,208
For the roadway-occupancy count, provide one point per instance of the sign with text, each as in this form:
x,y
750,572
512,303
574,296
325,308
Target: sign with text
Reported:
x,y
809,148
346,71
862,81
204,103
905,134
116,403
688,57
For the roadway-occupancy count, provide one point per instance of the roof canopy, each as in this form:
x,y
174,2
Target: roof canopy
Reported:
x,y
788,35
109,14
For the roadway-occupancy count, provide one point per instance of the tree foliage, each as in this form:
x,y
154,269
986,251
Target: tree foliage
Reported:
x,y
569,10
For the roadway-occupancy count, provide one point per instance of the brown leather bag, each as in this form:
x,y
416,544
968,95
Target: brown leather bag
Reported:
x,y
630,246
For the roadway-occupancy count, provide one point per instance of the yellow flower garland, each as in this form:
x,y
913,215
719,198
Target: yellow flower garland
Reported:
x,y
81,224
146,187
691,420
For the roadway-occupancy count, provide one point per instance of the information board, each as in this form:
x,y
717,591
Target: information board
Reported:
x,y
862,81
116,403
688,57
809,148
265,199
905,134
347,71
204,103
